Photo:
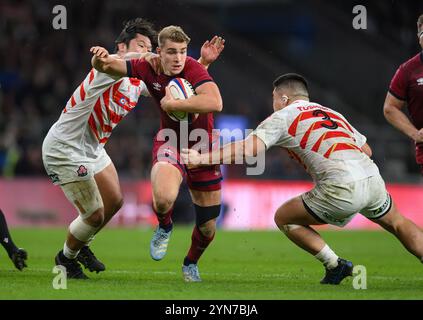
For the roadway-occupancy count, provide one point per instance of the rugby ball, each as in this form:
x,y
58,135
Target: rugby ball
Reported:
x,y
181,89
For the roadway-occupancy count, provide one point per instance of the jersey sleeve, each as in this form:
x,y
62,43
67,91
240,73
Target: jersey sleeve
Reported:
x,y
137,68
144,91
196,73
398,87
272,131
360,139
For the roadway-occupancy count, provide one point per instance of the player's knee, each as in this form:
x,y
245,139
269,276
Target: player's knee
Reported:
x,y
279,219
82,230
163,203
206,219
118,204
96,219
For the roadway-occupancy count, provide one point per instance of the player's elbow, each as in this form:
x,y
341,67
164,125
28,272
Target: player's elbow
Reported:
x,y
218,105
367,150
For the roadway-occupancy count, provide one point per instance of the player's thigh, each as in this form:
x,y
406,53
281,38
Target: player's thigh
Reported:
x,y
109,187
206,198
391,219
294,212
165,181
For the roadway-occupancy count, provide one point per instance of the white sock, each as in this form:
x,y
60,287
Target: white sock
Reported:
x,y
69,253
327,257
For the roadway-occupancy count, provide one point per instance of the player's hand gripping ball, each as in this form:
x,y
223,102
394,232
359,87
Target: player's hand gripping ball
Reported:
x,y
181,89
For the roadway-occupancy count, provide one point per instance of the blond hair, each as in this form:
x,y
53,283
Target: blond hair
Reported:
x,y
173,33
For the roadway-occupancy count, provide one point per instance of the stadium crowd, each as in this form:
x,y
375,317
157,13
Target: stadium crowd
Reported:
x,y
40,67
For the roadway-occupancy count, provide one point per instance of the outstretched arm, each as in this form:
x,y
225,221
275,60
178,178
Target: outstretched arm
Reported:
x,y
230,153
211,50
102,61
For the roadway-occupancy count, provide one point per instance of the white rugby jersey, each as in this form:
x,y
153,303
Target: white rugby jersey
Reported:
x,y
321,139
98,104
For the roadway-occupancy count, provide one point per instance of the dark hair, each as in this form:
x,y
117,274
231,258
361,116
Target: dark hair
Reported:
x,y
292,81
420,23
134,26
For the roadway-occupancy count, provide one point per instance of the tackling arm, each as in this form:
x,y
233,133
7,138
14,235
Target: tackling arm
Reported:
x,y
102,61
231,153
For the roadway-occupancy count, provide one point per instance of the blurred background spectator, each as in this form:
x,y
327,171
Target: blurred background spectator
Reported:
x,y
348,70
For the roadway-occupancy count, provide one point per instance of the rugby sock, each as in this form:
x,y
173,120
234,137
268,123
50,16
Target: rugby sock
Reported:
x,y
88,243
165,221
69,253
327,257
5,238
199,243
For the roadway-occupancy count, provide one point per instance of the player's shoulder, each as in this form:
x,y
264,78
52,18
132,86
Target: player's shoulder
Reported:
x,y
412,63
191,63
191,60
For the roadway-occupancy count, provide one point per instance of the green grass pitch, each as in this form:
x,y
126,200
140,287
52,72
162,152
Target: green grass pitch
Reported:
x,y
238,265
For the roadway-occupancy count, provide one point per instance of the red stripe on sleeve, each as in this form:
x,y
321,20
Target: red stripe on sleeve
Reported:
x,y
73,102
91,123
91,76
82,91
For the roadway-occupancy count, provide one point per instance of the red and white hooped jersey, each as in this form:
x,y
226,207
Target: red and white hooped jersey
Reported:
x,y
321,139
95,108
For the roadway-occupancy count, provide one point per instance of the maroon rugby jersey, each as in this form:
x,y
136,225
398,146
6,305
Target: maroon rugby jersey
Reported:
x,y
407,85
193,71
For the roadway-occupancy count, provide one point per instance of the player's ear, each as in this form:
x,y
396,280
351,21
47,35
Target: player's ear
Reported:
x,y
285,99
122,48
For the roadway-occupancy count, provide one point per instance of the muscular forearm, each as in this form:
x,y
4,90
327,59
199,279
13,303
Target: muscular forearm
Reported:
x,y
400,121
112,66
231,153
198,104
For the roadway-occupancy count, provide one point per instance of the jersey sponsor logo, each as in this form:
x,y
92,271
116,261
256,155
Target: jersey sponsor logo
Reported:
x,y
54,178
157,86
420,82
122,101
383,208
82,171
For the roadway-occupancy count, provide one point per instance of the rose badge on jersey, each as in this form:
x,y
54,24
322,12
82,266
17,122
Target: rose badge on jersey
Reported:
x,y
82,171
181,89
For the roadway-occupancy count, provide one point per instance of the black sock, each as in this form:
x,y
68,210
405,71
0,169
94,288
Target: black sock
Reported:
x,y
5,238
167,228
187,262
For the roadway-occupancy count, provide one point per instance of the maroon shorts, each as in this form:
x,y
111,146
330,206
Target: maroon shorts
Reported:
x,y
201,179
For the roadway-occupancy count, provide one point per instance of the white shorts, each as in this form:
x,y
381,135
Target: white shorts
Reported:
x,y
65,163
337,204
